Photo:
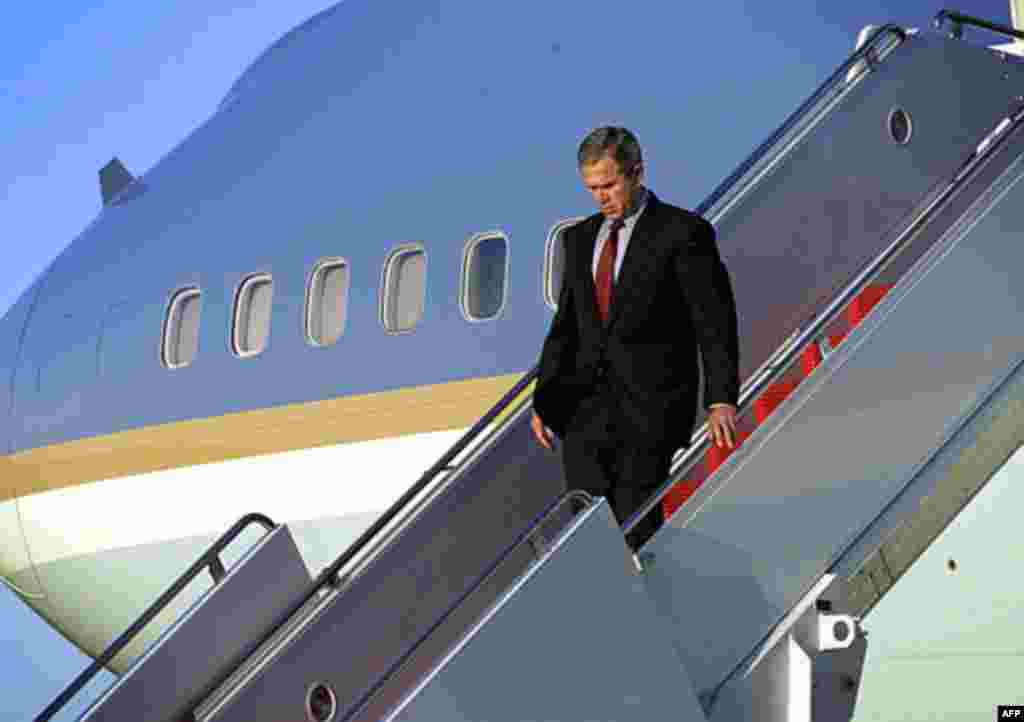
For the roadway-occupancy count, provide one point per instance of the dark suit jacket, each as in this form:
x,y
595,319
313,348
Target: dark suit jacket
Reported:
x,y
672,295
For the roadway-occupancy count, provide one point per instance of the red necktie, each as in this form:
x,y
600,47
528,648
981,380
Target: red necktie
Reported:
x,y
605,280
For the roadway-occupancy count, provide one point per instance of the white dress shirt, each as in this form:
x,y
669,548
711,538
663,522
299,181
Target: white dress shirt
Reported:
x,y
624,235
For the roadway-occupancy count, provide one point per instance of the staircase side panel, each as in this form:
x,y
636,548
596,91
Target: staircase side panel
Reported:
x,y
214,636
807,483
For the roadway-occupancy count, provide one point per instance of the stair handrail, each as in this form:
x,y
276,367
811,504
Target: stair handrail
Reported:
x,y
330,574
795,344
865,52
209,560
957,20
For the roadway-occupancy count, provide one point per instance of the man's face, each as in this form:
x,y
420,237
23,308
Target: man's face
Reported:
x,y
613,191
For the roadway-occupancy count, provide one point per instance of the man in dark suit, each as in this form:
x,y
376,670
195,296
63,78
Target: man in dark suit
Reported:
x,y
643,286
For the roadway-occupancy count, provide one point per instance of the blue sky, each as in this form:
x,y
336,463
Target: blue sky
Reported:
x,y
84,80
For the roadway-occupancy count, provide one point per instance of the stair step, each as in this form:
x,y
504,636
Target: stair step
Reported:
x,y
866,300
682,491
717,455
774,395
837,338
811,358
856,312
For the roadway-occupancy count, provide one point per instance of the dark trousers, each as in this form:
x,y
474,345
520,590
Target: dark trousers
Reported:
x,y
595,458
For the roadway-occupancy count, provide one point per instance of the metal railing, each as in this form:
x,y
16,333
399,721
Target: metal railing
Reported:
x,y
865,53
209,561
443,465
788,352
958,20
348,567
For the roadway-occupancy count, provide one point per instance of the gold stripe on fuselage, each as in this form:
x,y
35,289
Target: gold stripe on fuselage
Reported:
x,y
421,409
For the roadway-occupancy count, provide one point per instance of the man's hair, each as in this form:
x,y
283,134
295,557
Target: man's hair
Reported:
x,y
611,141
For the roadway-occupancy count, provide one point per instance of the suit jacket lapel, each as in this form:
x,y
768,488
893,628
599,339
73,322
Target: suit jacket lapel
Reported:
x,y
585,267
642,236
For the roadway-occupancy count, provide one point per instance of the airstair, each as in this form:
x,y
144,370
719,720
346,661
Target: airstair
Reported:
x,y
871,241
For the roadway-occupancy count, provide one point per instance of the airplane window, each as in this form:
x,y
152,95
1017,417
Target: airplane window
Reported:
x,y
181,329
404,289
327,302
251,327
484,276
554,260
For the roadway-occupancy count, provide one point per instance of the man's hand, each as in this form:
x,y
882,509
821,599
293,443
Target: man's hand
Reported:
x,y
722,425
544,436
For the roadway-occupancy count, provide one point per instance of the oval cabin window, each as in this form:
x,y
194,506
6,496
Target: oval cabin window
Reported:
x,y
404,289
554,261
181,329
251,328
327,302
484,277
